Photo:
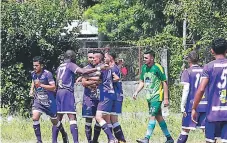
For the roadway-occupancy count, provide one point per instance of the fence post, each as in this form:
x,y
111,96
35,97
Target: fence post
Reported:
x,y
164,61
139,60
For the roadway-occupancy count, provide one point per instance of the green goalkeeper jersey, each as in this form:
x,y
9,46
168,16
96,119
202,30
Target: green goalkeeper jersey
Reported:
x,y
153,77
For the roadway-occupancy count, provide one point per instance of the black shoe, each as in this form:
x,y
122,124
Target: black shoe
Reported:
x,y
170,140
144,140
65,138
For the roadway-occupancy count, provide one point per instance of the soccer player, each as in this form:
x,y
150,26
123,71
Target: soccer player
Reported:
x,y
44,100
153,79
90,98
191,80
214,77
118,103
65,91
107,98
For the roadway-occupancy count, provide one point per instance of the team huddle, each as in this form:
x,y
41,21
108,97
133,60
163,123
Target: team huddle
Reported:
x,y
204,99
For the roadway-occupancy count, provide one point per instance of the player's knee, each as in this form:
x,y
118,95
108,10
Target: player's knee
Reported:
x,y
186,130
98,118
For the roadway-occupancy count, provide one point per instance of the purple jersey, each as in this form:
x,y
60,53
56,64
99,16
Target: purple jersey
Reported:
x,y
43,96
66,76
117,85
216,72
88,91
106,87
192,76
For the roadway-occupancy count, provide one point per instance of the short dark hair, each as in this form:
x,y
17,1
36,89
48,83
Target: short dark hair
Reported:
x,y
112,54
150,52
70,55
219,45
99,52
193,56
38,59
90,51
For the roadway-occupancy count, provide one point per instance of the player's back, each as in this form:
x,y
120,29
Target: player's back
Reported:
x,y
66,76
194,75
216,71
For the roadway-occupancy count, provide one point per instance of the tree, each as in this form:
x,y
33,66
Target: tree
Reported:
x,y
29,29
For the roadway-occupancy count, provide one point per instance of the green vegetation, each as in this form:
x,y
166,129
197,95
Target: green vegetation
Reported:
x,y
134,122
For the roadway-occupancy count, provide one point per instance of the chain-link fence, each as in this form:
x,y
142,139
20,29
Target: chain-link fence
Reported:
x,y
129,58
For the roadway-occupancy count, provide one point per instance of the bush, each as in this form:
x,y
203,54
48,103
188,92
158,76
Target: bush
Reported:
x,y
30,29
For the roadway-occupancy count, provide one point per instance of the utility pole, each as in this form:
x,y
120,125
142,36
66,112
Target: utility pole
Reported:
x,y
184,35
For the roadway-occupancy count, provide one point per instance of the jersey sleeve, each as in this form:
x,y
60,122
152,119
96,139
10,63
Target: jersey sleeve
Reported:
x,y
205,73
50,78
161,73
185,77
73,67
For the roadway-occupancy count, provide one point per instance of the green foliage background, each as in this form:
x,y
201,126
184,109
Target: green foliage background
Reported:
x,y
35,27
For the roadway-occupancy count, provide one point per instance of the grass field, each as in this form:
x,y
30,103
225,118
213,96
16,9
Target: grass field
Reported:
x,y
134,122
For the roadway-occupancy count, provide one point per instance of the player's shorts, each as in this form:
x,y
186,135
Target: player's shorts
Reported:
x,y
117,108
187,122
154,107
50,110
65,102
106,105
216,129
89,107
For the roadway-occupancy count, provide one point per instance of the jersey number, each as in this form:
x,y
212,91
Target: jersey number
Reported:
x,y
222,85
198,80
61,72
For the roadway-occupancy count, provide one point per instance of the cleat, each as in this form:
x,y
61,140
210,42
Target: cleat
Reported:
x,y
170,141
121,141
65,138
144,140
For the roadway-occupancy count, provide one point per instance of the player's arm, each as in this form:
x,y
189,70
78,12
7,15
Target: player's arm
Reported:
x,y
95,78
116,78
51,86
79,79
32,89
141,84
86,82
185,82
200,92
165,88
76,69
139,88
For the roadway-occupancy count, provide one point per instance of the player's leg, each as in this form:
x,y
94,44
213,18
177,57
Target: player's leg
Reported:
x,y
116,125
164,128
88,129
104,108
187,125
223,126
56,121
97,127
73,127
97,130
210,131
88,114
36,125
153,111
161,121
